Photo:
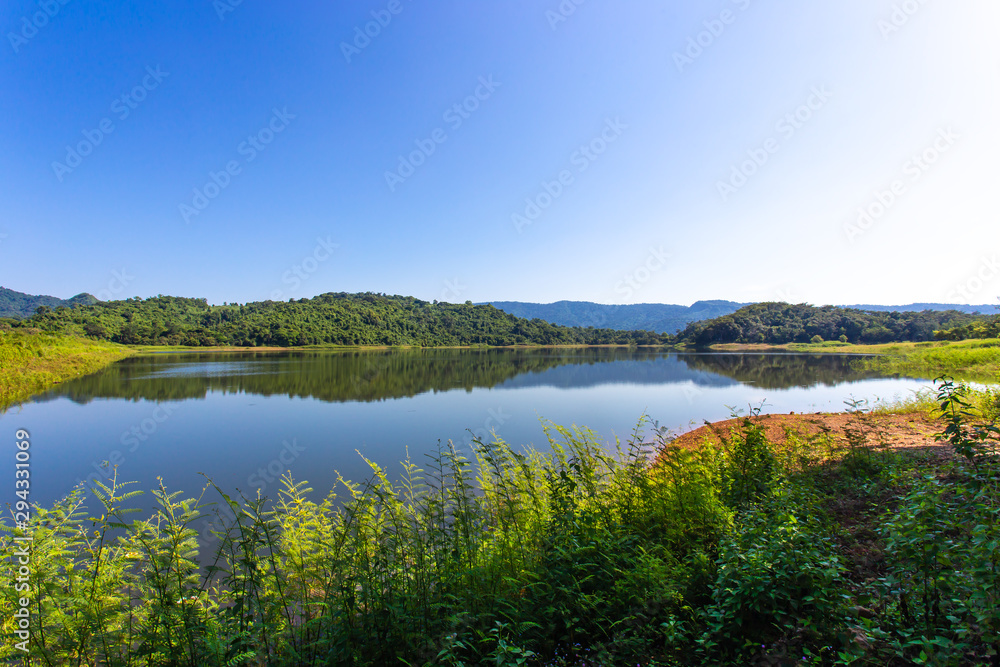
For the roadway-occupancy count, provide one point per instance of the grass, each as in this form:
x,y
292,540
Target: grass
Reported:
x,y
984,404
744,553
972,360
977,360
31,361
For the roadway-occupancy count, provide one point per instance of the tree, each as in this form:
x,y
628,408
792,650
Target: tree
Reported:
x,y
94,330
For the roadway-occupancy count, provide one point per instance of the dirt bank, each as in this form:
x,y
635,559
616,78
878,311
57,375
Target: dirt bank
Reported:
x,y
897,431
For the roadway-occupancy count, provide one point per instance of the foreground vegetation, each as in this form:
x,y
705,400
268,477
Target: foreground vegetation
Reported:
x,y
816,552
328,319
31,361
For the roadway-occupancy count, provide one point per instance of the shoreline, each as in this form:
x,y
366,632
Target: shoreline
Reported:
x,y
899,428
35,362
160,349
59,357
973,360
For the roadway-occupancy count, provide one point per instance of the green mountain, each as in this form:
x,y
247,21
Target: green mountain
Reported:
x,y
376,319
328,319
669,318
20,305
658,317
919,307
779,323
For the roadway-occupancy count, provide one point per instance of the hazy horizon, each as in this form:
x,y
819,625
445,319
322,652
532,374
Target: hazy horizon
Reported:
x,y
547,303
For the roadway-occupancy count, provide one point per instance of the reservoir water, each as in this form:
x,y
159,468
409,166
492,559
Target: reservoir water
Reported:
x,y
243,418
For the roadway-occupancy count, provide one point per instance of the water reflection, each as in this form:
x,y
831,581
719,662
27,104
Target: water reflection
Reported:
x,y
234,415
366,376
783,370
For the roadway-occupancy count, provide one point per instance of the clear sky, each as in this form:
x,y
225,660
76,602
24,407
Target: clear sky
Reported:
x,y
618,152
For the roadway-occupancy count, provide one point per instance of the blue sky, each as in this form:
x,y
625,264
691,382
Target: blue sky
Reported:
x,y
836,151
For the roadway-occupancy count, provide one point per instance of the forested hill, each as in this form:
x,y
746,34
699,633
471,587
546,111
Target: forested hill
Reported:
x,y
333,318
18,305
658,317
779,323
669,318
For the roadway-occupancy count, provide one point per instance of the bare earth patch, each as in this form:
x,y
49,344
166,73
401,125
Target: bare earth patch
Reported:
x,y
914,431
856,511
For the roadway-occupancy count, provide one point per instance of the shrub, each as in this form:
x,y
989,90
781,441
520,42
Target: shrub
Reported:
x,y
944,569
779,581
971,440
748,464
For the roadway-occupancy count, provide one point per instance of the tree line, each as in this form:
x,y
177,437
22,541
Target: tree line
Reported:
x,y
780,323
328,319
378,319
978,329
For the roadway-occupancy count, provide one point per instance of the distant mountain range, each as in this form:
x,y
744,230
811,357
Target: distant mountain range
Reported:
x,y
984,309
668,318
20,305
658,317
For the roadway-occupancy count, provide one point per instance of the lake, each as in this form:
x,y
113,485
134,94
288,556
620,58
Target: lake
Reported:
x,y
243,418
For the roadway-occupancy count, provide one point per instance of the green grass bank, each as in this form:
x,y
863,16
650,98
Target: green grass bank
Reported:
x,y
972,360
31,361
